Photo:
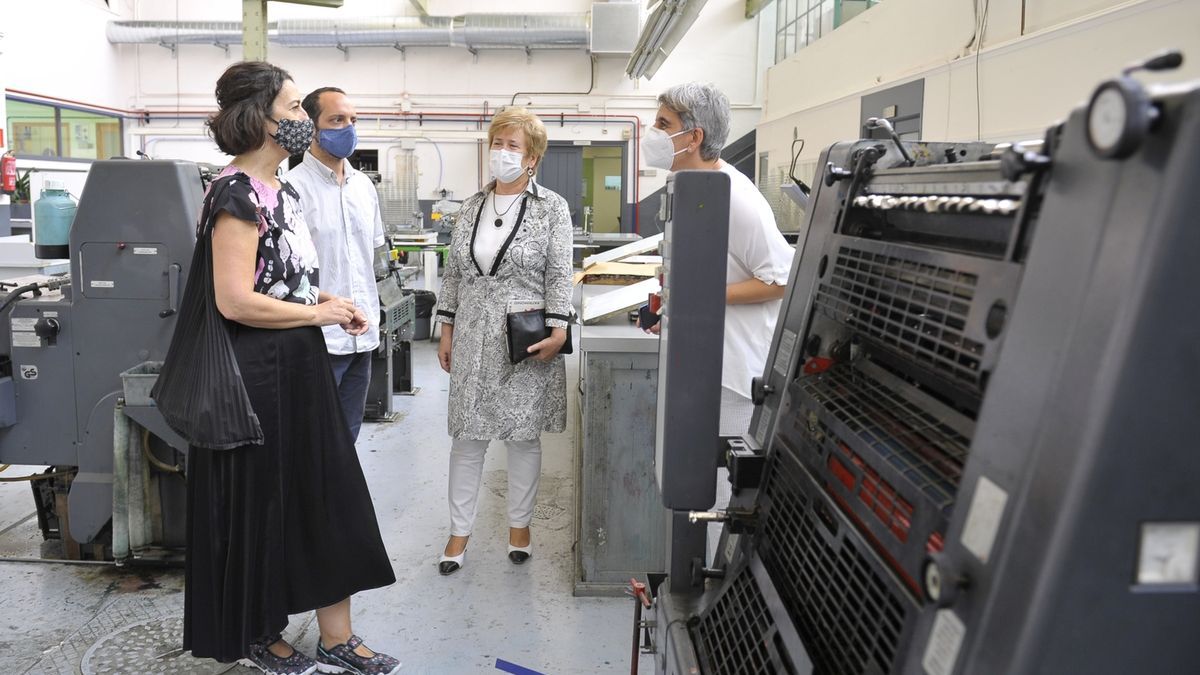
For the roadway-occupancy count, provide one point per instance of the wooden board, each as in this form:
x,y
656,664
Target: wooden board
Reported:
x,y
616,274
618,300
644,259
638,247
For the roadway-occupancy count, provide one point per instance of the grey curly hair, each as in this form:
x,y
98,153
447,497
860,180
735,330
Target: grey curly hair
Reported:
x,y
701,106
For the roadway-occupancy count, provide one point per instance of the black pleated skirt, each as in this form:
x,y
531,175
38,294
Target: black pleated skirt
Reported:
x,y
284,527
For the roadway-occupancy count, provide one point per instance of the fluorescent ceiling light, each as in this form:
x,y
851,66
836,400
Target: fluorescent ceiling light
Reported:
x,y
669,21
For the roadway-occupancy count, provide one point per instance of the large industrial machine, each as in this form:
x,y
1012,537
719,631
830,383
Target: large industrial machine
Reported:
x,y
79,353
64,349
975,445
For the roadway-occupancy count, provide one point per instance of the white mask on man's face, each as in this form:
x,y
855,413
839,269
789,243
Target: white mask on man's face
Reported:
x,y
658,150
506,165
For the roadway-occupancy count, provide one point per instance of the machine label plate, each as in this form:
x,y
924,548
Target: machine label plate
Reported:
x,y
983,520
23,324
764,423
145,250
28,372
96,283
26,339
944,642
783,357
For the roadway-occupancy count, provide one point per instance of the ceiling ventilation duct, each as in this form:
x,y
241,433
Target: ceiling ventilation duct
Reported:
x,y
400,31
544,31
175,32
473,31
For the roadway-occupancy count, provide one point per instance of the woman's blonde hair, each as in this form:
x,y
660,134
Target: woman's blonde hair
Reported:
x,y
520,118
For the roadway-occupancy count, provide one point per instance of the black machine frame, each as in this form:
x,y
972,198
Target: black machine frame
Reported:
x,y
974,424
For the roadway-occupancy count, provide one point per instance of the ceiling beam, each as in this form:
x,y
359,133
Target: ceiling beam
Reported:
x,y
254,30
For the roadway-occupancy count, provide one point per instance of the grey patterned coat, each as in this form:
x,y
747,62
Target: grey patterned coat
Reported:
x,y
489,397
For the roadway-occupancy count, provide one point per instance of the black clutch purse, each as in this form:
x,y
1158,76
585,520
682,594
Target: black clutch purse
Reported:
x,y
528,328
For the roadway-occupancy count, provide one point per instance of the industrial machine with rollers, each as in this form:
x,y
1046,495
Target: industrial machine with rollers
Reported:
x,y
79,354
974,445
65,349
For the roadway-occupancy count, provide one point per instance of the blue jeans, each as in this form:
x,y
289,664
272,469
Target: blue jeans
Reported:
x,y
352,372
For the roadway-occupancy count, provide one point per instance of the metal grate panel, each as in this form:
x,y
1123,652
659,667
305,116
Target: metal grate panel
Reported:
x,y
916,309
733,634
920,446
849,612
398,203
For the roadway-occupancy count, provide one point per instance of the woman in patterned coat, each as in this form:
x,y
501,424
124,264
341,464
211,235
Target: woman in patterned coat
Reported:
x,y
510,251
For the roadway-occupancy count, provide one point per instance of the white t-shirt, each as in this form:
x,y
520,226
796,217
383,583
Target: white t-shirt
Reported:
x,y
488,237
757,250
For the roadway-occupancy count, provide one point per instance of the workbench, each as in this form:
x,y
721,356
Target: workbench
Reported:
x,y
620,519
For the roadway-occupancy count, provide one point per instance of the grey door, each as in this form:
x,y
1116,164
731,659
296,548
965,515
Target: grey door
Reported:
x,y
561,170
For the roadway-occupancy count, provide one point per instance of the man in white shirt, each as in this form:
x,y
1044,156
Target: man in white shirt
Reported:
x,y
689,131
341,208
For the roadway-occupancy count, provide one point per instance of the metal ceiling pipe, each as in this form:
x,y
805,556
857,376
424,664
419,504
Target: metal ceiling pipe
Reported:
x,y
472,31
491,31
174,32
403,31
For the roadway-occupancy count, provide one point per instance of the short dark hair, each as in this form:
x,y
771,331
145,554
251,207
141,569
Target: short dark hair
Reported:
x,y
312,102
245,93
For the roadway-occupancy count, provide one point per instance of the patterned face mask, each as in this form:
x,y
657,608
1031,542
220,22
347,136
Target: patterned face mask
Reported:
x,y
294,136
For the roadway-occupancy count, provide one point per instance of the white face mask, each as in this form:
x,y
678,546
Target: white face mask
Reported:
x,y
506,165
658,150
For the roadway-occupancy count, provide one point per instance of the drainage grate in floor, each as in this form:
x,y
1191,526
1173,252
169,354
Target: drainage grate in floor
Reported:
x,y
150,647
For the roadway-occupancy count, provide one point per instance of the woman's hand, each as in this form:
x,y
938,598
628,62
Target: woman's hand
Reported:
x,y
335,311
547,349
444,346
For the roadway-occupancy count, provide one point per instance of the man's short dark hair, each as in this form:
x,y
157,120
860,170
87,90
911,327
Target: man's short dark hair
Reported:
x,y
312,102
245,93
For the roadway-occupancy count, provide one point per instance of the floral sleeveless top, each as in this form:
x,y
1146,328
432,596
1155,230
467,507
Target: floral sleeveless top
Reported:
x,y
286,266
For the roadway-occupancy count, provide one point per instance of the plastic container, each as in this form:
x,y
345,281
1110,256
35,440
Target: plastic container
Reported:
x,y
53,214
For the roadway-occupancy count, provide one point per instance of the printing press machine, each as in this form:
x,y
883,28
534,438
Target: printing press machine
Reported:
x,y
79,352
974,449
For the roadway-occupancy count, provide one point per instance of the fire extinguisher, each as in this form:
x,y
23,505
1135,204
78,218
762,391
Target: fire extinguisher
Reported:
x,y
8,173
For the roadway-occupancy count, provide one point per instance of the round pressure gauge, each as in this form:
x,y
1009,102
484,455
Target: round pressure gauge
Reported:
x,y
1118,118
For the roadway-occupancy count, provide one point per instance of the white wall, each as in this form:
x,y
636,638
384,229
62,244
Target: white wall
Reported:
x,y
1030,73
58,48
722,47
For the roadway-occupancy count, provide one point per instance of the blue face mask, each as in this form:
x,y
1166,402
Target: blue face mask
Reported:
x,y
338,142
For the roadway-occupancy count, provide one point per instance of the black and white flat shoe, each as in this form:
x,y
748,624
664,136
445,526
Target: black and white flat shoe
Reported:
x,y
518,555
449,564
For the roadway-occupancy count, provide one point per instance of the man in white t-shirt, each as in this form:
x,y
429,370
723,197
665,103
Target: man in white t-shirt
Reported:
x,y
689,131
341,208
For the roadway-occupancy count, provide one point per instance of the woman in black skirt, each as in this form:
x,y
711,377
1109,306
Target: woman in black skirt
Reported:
x,y
287,526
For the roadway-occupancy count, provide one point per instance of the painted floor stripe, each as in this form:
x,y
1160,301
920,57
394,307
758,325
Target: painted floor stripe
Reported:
x,y
513,668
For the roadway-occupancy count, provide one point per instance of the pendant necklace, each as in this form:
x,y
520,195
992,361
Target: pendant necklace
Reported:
x,y
500,216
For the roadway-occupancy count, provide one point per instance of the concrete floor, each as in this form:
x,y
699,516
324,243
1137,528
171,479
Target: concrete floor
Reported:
x,y
59,618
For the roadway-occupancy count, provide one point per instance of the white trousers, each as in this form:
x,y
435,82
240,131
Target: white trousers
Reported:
x,y
466,473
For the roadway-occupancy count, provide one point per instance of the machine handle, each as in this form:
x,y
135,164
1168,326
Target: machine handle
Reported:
x,y
173,291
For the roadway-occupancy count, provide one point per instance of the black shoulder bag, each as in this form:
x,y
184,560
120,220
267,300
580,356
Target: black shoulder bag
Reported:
x,y
200,391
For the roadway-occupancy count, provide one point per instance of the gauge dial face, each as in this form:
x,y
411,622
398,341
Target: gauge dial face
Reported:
x,y
1107,119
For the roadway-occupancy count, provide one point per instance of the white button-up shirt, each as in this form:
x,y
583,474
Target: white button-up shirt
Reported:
x,y
346,228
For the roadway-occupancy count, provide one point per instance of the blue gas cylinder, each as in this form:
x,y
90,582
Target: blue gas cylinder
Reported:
x,y
53,214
